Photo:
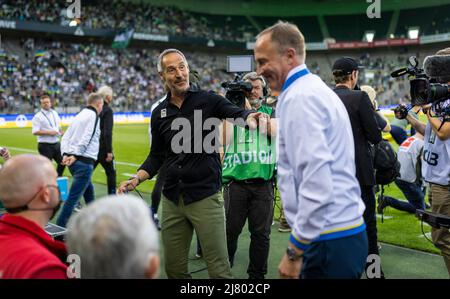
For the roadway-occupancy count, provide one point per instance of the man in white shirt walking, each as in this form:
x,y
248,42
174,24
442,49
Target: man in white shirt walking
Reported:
x,y
47,128
79,147
316,164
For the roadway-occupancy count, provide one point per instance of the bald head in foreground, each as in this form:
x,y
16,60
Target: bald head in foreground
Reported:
x,y
30,195
28,188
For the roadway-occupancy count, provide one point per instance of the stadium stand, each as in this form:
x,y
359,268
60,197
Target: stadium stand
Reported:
x,y
309,25
353,27
69,70
430,20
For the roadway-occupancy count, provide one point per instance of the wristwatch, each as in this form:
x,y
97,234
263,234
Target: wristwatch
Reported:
x,y
293,255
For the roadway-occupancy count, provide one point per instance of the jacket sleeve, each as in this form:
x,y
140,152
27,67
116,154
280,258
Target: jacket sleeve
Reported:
x,y
108,120
156,157
223,108
368,121
310,157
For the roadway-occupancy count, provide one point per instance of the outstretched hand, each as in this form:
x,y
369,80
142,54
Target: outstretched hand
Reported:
x,y
258,119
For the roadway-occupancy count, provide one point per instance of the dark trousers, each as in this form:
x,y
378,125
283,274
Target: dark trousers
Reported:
x,y
368,197
343,258
110,171
413,193
53,152
255,202
157,189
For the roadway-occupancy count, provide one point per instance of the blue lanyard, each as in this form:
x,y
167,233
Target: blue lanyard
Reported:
x,y
293,78
53,116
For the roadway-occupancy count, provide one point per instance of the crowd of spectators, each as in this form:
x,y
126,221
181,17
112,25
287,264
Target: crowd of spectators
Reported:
x,y
99,14
69,72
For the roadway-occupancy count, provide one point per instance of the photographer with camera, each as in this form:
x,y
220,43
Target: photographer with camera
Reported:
x,y
248,172
434,99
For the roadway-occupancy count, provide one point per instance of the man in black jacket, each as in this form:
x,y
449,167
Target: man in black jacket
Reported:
x,y
191,195
105,154
365,129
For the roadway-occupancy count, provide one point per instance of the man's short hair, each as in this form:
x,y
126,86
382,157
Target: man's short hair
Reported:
x,y
164,53
45,96
340,77
286,35
114,238
94,97
252,76
105,91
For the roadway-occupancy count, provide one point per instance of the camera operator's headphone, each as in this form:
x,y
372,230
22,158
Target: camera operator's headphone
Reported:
x,y
254,76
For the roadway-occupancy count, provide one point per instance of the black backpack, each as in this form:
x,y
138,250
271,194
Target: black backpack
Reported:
x,y
387,167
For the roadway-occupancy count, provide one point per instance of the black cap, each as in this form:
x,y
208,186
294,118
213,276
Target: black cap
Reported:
x,y
347,65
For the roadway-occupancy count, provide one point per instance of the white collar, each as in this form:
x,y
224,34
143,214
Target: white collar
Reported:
x,y
295,70
45,111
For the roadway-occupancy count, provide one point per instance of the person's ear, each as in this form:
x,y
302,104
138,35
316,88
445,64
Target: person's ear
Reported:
x,y
45,195
161,76
152,271
290,55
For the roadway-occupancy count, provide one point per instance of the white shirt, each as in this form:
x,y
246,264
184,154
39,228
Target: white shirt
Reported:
x,y
436,158
81,138
46,121
316,165
408,154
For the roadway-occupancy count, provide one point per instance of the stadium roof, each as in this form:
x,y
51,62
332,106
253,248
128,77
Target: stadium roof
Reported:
x,y
291,7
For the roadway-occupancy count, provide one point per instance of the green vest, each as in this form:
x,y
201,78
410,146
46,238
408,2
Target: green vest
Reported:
x,y
250,155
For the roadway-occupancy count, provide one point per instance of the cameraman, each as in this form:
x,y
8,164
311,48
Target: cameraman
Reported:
x,y
436,151
248,170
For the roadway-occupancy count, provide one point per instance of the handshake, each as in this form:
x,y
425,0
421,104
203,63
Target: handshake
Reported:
x,y
259,120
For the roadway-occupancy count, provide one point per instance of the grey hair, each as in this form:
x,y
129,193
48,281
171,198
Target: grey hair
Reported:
x,y
286,35
114,238
164,53
94,97
253,76
105,91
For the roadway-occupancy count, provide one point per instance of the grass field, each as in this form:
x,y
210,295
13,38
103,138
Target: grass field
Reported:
x,y
131,146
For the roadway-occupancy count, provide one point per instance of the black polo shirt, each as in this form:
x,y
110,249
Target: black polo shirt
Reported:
x,y
197,174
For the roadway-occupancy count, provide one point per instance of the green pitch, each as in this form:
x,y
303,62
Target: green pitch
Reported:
x,y
131,146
